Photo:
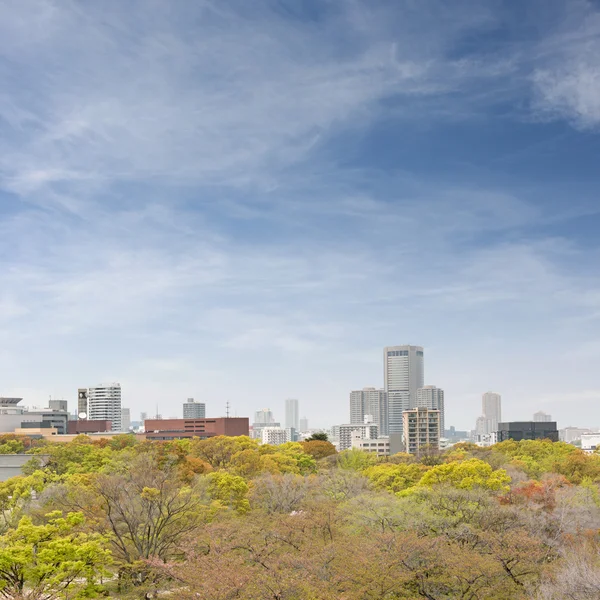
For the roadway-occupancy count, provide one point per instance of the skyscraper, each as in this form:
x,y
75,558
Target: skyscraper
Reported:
x,y
403,375
125,419
370,401
304,424
193,409
292,414
82,402
491,404
104,404
432,398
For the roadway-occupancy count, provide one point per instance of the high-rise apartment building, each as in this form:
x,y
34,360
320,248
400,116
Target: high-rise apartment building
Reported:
x,y
193,409
292,414
421,429
275,435
373,402
403,375
104,404
432,397
491,405
541,417
125,419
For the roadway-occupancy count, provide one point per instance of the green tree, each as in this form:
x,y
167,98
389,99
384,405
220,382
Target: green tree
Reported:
x,y
467,475
395,477
320,436
52,561
230,490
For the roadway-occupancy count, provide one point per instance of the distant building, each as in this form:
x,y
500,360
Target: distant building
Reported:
x,y
125,419
527,430
143,417
193,409
403,375
572,434
275,435
454,435
82,403
380,445
264,417
432,397
304,424
421,429
292,414
13,416
170,429
491,405
59,405
104,403
370,401
542,417
88,426
344,433
486,439
590,442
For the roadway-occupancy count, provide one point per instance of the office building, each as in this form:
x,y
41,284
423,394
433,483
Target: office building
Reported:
x,y
304,424
193,409
82,403
125,419
527,430
380,445
344,433
491,413
104,404
292,414
403,375
172,429
264,416
13,416
542,417
370,401
275,435
432,397
573,434
58,405
421,430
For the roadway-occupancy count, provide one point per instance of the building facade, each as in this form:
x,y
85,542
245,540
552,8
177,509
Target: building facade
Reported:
x,y
373,402
275,435
432,397
380,445
527,430
403,375
125,419
170,429
82,403
292,414
491,411
345,433
304,424
193,409
590,442
421,430
104,404
542,417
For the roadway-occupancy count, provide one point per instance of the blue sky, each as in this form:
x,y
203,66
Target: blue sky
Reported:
x,y
245,202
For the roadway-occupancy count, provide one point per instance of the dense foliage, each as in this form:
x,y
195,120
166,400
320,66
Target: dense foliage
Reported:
x,y
229,518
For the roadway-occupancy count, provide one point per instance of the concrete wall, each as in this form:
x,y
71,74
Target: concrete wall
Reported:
x,y
11,464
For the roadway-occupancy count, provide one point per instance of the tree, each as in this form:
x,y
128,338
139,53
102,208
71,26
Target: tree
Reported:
x,y
467,475
319,436
395,477
318,448
51,561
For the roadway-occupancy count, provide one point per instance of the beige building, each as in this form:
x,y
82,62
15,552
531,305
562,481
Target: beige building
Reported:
x,y
421,429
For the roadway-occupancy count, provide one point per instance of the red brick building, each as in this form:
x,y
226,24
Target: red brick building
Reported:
x,y
172,429
88,426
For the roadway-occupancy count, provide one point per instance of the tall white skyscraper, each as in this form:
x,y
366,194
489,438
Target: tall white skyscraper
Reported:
x,y
491,405
403,375
193,409
104,403
432,398
292,414
370,401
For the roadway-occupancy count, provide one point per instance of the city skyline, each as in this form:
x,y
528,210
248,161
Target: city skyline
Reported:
x,y
252,213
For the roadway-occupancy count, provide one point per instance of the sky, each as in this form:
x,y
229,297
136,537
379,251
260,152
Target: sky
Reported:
x,y
246,201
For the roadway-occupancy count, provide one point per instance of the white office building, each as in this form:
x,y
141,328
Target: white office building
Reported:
x,y
104,404
345,433
403,375
292,414
275,435
193,409
432,397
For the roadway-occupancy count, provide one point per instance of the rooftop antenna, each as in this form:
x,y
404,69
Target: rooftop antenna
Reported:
x,y
227,408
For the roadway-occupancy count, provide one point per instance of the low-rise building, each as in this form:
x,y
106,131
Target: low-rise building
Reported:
x,y
528,430
275,435
590,442
380,445
171,429
366,431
